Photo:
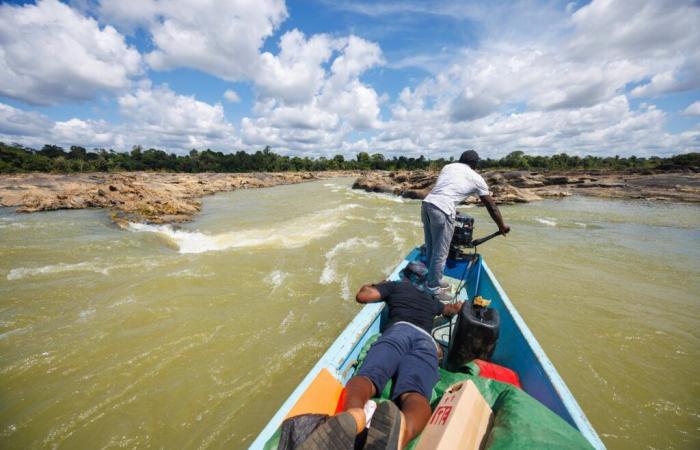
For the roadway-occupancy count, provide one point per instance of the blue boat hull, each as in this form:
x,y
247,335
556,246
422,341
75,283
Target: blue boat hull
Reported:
x,y
517,349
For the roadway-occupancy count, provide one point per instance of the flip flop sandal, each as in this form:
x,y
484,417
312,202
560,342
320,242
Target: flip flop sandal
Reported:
x,y
386,428
337,433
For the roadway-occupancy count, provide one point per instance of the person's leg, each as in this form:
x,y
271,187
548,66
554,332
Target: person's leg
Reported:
x,y
441,230
357,391
379,366
425,218
416,412
415,379
442,247
340,431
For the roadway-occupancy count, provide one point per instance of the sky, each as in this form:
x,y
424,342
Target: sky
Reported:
x,y
325,77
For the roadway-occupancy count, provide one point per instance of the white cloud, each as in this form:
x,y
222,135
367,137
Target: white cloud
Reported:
x,y
220,37
34,129
565,88
154,117
49,53
295,74
305,106
606,128
231,96
692,110
16,123
567,93
661,37
160,117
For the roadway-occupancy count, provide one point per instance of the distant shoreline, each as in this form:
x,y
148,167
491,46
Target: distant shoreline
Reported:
x,y
509,187
149,197
165,197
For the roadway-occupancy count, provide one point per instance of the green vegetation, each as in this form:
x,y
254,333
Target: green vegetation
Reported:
x,y
51,158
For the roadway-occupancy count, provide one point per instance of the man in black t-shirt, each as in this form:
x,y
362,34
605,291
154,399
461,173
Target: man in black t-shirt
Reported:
x,y
406,353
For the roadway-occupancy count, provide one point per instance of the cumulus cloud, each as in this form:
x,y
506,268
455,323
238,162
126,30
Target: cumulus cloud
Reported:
x,y
221,37
160,117
302,104
154,117
692,110
231,96
34,129
568,93
87,133
50,53
566,88
295,74
605,128
16,123
660,37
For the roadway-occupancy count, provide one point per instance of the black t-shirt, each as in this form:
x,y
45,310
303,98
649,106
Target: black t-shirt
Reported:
x,y
408,304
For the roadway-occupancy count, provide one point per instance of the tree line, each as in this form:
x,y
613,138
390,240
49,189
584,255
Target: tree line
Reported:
x,y
16,158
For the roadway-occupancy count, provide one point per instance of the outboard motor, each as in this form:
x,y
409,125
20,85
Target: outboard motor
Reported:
x,y
462,237
475,335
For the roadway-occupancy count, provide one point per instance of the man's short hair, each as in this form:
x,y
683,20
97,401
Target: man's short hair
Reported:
x,y
470,158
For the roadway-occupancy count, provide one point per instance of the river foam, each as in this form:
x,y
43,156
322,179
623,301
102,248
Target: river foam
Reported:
x,y
96,266
546,221
22,272
294,233
329,273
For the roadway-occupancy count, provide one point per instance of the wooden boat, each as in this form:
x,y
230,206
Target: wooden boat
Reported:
x,y
517,349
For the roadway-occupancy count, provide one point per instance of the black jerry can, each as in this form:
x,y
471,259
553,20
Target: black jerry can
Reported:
x,y
474,337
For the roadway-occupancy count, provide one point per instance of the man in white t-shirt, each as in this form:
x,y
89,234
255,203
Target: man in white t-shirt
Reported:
x,y
456,182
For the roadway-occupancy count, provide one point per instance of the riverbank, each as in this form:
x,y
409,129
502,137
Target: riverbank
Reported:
x,y
152,197
160,197
522,187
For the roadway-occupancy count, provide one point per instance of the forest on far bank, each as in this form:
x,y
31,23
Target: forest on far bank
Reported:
x,y
15,158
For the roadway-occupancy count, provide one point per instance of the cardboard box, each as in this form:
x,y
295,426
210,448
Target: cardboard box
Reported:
x,y
460,421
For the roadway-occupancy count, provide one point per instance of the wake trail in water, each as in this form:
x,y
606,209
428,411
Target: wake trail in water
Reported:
x,y
294,233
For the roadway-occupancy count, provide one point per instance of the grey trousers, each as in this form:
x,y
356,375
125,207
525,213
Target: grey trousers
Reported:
x,y
438,228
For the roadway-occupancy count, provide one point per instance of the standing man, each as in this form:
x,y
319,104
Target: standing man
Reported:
x,y
456,182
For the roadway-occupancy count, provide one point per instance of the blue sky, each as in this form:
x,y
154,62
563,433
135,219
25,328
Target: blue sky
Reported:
x,y
322,77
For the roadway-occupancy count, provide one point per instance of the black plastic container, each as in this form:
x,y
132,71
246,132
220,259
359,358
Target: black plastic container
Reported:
x,y
474,337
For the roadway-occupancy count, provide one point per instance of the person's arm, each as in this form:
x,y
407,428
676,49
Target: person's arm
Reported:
x,y
368,294
495,214
451,309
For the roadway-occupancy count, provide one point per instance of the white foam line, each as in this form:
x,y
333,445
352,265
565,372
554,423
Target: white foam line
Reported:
x,y
15,331
22,272
378,195
549,222
85,266
291,234
329,270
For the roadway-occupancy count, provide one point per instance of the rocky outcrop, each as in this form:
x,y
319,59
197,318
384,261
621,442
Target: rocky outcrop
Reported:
x,y
510,187
152,197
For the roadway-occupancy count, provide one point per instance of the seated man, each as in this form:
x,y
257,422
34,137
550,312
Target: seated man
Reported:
x,y
405,352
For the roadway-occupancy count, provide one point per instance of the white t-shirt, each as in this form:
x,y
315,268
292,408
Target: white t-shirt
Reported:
x,y
456,182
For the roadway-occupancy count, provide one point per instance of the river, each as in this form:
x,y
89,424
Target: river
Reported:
x,y
192,337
